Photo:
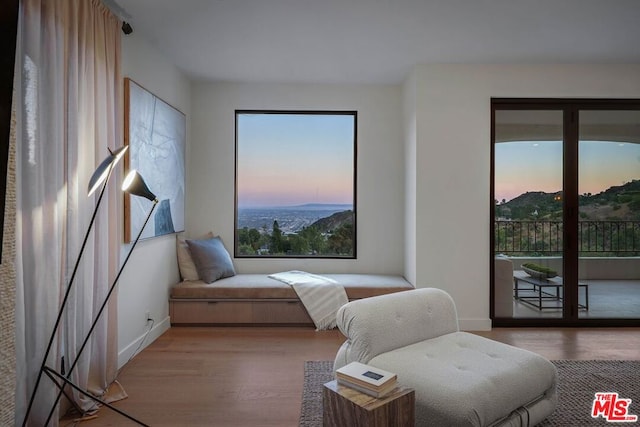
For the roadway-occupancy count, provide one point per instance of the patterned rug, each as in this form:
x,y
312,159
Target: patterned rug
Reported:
x,y
578,381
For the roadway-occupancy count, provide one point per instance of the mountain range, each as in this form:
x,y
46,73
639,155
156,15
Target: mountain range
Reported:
x,y
620,202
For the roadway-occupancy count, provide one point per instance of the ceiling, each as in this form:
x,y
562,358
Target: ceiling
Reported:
x,y
377,41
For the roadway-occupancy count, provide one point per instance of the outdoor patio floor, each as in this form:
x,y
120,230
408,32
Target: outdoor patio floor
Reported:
x,y
608,299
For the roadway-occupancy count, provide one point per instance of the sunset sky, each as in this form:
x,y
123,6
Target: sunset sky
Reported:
x,y
294,159
537,166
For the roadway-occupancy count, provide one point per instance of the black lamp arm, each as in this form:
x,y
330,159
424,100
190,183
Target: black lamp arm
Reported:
x,y
102,307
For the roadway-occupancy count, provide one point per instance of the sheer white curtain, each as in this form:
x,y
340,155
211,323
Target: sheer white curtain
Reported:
x,y
68,98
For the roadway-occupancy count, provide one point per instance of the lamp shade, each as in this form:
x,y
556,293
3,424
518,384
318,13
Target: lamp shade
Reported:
x,y
102,171
134,184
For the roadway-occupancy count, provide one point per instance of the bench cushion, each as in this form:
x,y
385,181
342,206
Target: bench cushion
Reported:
x,y
260,286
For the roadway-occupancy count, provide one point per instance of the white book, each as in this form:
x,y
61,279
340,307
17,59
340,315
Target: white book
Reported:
x,y
365,375
377,394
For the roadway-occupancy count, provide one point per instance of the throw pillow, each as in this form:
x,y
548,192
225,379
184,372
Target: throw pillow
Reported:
x,y
185,262
211,259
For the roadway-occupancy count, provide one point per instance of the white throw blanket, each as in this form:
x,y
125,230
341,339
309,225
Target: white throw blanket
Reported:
x,y
321,296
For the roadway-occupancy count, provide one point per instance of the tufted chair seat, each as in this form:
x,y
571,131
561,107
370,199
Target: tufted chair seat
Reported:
x,y
460,379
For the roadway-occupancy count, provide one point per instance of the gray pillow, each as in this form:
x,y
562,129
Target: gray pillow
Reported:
x,y
212,260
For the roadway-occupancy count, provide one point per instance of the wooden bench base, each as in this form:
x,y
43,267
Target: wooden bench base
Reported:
x,y
247,312
256,299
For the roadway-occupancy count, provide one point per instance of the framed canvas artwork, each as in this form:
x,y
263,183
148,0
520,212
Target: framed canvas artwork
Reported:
x,y
155,132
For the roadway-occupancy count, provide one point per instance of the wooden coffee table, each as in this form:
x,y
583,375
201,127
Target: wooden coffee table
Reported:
x,y
542,290
344,406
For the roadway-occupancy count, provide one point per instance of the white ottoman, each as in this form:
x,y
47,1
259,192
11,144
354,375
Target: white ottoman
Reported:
x,y
462,379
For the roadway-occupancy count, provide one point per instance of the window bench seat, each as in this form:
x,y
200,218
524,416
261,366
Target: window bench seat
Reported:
x,y
254,299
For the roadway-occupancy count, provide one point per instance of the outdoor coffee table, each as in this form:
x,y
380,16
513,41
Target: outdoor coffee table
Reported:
x,y
539,291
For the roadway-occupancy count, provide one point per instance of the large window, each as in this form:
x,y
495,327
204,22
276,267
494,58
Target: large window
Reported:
x,y
295,184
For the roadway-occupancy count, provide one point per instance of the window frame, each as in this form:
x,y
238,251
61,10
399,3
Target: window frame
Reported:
x,y
354,115
571,108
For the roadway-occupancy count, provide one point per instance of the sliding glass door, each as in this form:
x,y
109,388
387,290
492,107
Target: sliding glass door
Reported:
x,y
609,213
528,213
565,235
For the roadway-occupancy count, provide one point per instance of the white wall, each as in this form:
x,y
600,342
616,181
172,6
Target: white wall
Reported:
x,y
380,192
453,163
409,115
423,171
152,268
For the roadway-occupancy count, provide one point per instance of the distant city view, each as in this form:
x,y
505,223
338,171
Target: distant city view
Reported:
x,y
305,230
295,184
291,219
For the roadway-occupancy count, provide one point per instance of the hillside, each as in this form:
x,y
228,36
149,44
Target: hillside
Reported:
x,y
620,202
333,222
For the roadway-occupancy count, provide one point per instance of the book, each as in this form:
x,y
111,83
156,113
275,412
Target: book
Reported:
x,y
391,385
369,377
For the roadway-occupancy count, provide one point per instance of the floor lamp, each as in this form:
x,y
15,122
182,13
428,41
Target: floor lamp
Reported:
x,y
100,177
133,184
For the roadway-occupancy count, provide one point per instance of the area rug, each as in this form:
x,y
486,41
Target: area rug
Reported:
x,y
578,381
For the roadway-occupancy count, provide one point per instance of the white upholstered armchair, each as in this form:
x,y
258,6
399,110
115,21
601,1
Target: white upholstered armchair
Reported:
x,y
460,379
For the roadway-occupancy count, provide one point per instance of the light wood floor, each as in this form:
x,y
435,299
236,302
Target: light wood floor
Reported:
x,y
252,376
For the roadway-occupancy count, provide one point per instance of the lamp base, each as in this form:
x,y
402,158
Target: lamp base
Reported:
x,y
55,376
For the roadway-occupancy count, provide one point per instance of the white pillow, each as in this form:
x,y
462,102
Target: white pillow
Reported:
x,y
187,268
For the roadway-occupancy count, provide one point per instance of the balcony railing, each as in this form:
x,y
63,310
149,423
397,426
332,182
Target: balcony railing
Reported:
x,y
604,238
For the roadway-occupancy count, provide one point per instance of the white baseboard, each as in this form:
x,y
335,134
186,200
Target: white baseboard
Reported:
x,y
158,329
474,324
